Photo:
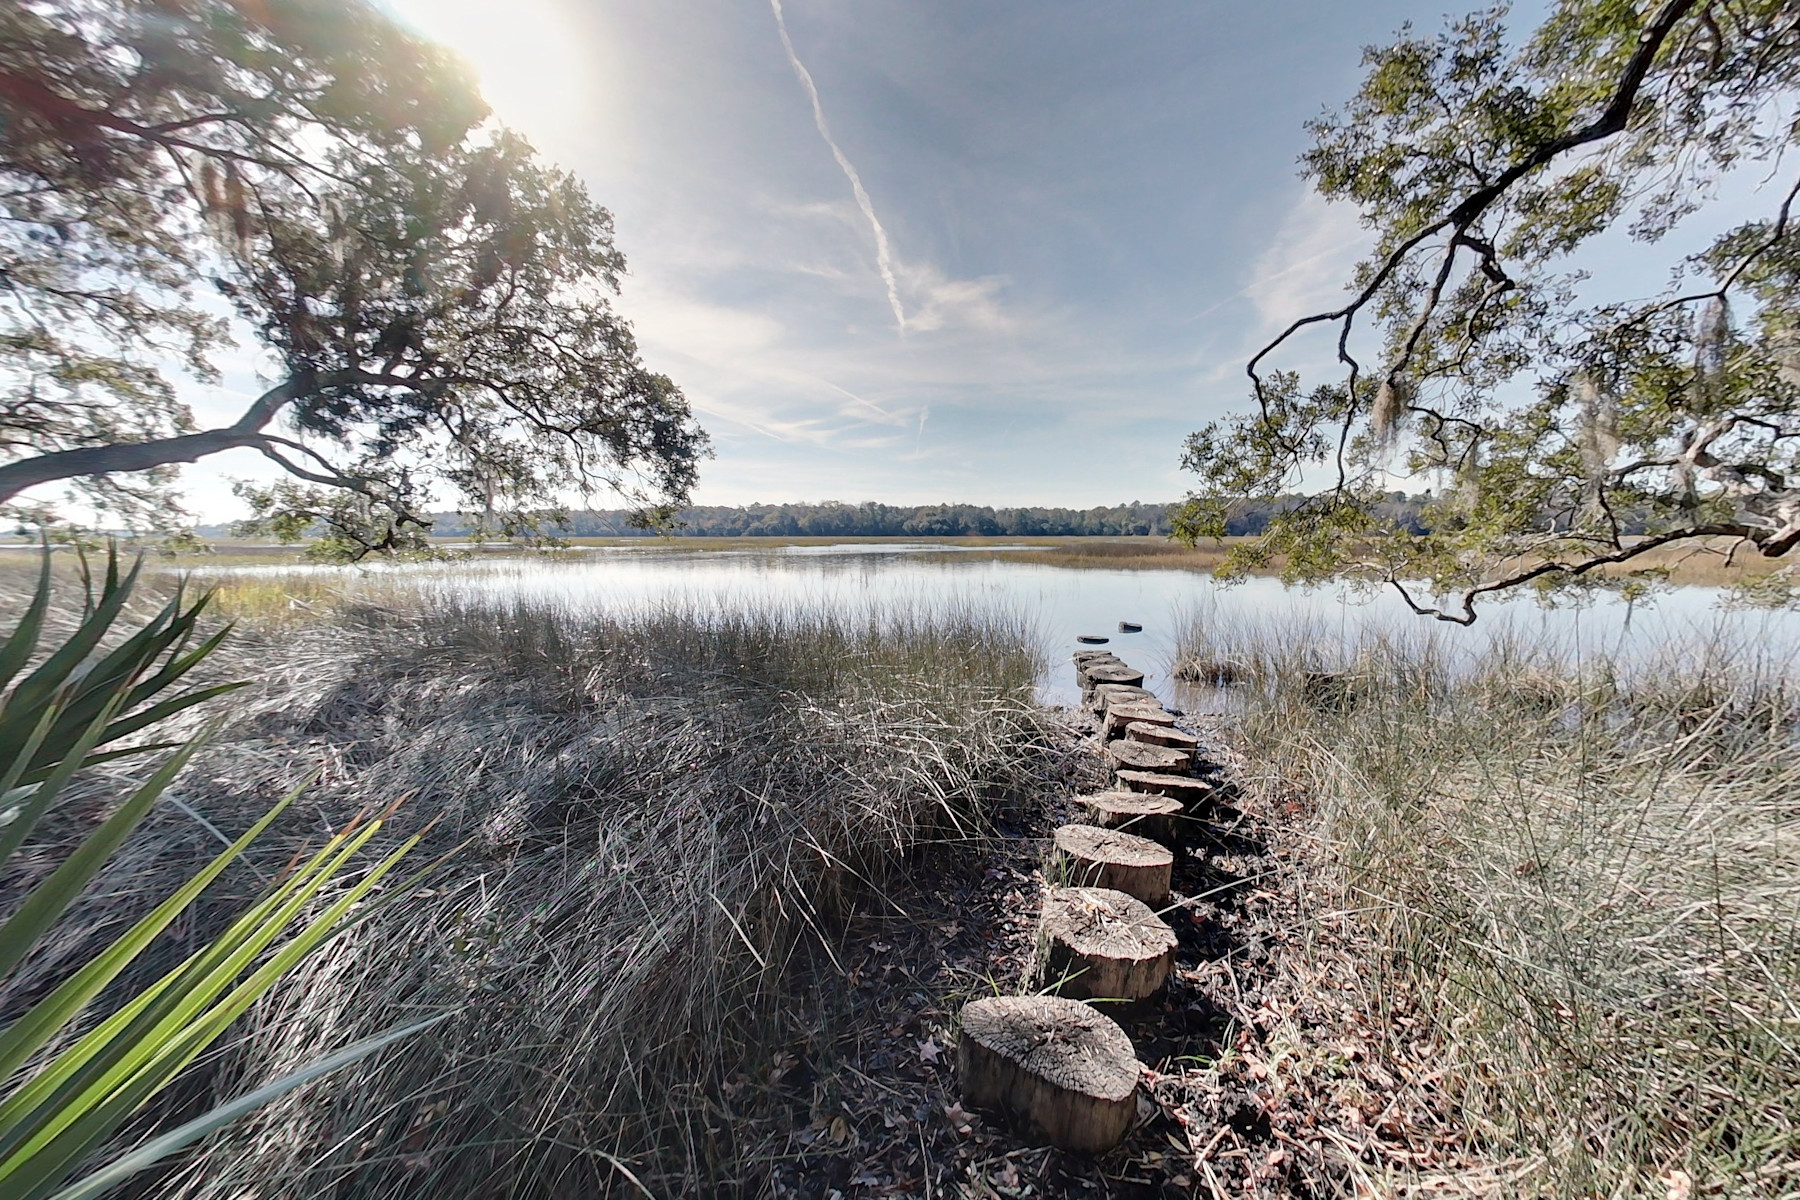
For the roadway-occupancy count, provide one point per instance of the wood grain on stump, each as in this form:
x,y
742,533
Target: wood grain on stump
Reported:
x,y
1124,862
1125,755
1104,945
1163,733
1118,716
1113,672
1055,1066
1082,656
1158,818
1117,693
1185,788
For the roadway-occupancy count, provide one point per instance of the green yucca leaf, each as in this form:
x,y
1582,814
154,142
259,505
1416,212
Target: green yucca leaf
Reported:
x,y
119,1044
15,652
32,1031
79,1127
50,898
160,1147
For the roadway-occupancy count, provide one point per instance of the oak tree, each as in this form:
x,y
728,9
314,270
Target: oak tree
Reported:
x,y
1563,434
431,300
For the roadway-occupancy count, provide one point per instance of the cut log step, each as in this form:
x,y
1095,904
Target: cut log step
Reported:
x,y
1064,1072
1084,670
1141,814
1092,639
1113,672
1105,858
1119,715
1082,656
1161,733
1185,788
1117,693
1104,945
1124,755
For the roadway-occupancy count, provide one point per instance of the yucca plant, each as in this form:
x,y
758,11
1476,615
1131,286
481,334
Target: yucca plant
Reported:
x,y
62,1096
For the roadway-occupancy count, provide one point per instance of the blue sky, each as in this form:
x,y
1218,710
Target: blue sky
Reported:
x,y
1091,215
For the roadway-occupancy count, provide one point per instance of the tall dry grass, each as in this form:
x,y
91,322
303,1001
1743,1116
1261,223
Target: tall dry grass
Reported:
x,y
654,824
1584,872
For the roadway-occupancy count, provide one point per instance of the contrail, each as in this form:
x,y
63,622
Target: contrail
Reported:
x,y
884,259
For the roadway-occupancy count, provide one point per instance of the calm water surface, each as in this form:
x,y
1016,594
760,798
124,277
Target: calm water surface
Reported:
x,y
1061,603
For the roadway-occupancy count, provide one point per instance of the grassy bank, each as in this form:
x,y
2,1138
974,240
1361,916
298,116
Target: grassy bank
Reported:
x,y
653,825
1572,890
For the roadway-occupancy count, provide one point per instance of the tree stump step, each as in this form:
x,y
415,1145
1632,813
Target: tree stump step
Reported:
x,y
1125,755
1111,673
1160,733
1084,665
1104,945
1064,1072
1185,788
1119,715
1141,814
1105,858
1104,694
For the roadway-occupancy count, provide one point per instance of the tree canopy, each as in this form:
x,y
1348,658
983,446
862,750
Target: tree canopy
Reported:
x,y
432,301
1564,434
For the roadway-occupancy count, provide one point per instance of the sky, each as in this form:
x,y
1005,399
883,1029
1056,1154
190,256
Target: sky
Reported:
x,y
1001,252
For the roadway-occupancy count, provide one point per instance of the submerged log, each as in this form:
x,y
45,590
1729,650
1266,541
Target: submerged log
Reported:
x,y
1112,672
1103,944
1118,716
1064,1072
1158,818
1124,755
1185,788
1096,857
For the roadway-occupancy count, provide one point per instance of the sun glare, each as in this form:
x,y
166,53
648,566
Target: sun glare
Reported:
x,y
539,63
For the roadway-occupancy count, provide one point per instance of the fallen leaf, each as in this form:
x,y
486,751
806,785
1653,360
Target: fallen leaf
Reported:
x,y
1681,1185
930,1051
839,1131
959,1119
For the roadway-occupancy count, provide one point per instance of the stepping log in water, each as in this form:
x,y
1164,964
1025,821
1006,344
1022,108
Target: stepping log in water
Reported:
x,y
1158,818
1096,857
1117,693
1104,944
1114,672
1130,627
1164,733
1055,1066
1118,716
1086,666
1081,656
1124,755
1092,639
1185,788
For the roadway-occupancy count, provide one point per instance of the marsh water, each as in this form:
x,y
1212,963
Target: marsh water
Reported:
x,y
1060,604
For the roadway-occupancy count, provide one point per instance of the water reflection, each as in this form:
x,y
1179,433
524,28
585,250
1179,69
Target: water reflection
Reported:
x,y
1062,603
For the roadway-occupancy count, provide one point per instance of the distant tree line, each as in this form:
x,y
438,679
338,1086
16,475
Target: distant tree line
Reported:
x,y
834,519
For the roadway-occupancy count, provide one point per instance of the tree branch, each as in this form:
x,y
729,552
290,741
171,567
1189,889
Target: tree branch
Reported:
x,y
15,477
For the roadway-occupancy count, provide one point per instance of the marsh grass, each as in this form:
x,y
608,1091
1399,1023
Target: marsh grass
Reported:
x,y
1581,874
653,824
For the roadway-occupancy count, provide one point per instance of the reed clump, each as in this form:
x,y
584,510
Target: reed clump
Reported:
x,y
1577,876
652,824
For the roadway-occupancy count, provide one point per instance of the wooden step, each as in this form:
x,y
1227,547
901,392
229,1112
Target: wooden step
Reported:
x,y
1095,857
1103,944
1064,1073
1141,814
1185,788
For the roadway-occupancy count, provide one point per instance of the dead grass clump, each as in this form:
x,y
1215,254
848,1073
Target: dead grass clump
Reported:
x,y
1578,880
656,814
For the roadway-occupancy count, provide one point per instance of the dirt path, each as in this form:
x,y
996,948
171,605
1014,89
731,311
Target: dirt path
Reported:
x,y
1264,1080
